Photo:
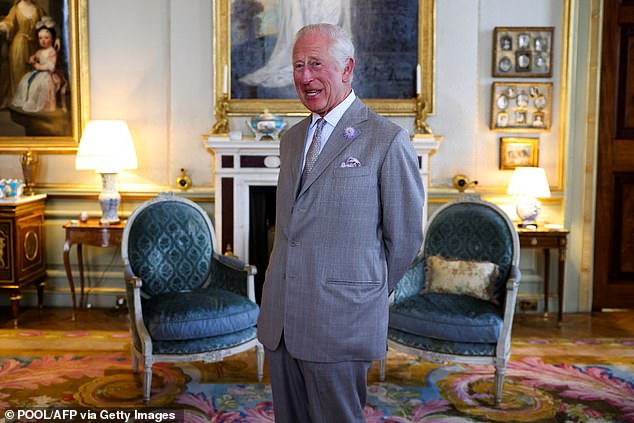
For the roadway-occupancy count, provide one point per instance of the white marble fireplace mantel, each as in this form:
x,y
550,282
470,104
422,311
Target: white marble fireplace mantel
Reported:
x,y
239,165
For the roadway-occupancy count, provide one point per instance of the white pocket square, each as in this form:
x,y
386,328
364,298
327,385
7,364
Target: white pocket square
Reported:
x,y
351,162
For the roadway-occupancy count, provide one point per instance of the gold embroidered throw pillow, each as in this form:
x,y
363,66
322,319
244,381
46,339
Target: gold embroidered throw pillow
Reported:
x,y
464,277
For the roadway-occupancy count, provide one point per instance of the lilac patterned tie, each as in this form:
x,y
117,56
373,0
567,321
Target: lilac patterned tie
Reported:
x,y
313,150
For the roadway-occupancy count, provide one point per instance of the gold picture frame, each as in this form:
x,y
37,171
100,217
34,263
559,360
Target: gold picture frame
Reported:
x,y
57,131
523,52
521,106
224,72
519,151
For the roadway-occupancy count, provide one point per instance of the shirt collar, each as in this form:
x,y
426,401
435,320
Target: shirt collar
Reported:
x,y
334,116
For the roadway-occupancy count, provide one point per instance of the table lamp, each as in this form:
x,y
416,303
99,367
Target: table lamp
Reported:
x,y
106,147
528,184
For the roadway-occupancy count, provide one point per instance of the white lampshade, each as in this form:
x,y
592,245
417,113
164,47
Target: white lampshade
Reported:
x,y
529,182
106,146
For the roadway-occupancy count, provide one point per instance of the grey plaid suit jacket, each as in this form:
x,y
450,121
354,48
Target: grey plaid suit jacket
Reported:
x,y
343,241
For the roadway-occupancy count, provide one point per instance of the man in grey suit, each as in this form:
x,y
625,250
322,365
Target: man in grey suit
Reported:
x,y
348,225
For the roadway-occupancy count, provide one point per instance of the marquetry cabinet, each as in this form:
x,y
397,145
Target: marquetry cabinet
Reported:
x,y
22,259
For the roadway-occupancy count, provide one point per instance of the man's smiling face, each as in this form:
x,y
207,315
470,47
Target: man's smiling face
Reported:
x,y
320,81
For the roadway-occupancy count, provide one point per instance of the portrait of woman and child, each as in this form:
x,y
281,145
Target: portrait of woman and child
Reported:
x,y
32,84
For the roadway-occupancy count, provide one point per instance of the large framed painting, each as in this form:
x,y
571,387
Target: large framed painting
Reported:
x,y
394,44
44,80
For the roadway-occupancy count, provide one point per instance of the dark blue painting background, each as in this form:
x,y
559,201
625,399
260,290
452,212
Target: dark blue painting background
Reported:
x,y
385,34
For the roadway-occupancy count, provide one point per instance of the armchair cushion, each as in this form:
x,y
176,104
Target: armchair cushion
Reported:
x,y
204,345
200,313
475,349
448,317
466,277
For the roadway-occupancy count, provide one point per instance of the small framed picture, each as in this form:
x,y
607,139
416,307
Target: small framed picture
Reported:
x,y
523,41
523,51
516,151
502,119
521,106
506,43
522,61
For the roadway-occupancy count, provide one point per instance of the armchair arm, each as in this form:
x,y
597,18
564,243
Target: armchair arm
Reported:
x,y
128,274
233,275
141,336
512,286
412,282
236,264
514,279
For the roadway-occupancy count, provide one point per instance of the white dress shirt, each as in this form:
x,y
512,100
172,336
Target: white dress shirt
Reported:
x,y
332,119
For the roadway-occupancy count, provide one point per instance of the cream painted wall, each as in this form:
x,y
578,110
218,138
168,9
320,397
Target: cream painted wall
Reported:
x,y
464,36
151,64
154,70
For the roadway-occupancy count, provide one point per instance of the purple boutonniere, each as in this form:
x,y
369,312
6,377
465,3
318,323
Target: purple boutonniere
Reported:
x,y
350,133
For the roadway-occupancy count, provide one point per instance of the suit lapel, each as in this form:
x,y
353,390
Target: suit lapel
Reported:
x,y
297,153
355,117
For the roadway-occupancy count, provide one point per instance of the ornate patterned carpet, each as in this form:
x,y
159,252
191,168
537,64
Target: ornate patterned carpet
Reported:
x,y
561,381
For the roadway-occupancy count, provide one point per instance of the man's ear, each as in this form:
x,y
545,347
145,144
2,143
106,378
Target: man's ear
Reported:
x,y
348,70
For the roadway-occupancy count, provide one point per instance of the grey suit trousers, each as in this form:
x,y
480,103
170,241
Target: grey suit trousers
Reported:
x,y
311,392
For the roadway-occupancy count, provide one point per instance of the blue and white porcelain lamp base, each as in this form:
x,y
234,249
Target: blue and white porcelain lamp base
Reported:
x,y
109,198
528,209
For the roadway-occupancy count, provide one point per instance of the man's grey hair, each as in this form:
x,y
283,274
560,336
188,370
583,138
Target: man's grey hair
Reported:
x,y
341,46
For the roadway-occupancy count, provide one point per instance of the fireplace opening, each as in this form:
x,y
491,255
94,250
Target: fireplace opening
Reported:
x,y
261,231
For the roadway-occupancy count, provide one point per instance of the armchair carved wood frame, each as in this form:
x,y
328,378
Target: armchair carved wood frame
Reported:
x,y
186,301
448,327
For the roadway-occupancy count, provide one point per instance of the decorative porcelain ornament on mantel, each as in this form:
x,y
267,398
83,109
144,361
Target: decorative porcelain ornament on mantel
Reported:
x,y
267,125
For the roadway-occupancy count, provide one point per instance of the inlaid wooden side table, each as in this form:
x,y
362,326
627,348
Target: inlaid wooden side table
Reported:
x,y
94,233
547,239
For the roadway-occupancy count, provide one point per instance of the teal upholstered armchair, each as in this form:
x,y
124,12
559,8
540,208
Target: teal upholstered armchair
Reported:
x,y
186,301
457,301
